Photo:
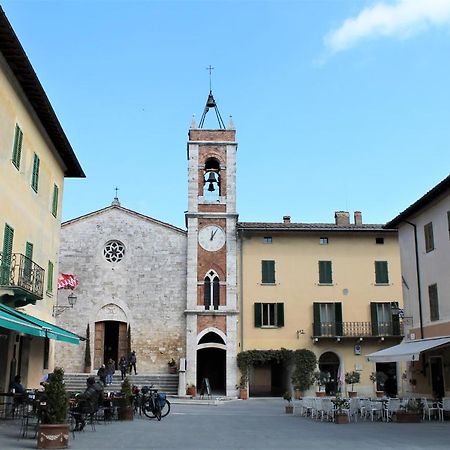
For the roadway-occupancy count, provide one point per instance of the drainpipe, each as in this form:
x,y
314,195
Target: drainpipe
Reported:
x,y
419,294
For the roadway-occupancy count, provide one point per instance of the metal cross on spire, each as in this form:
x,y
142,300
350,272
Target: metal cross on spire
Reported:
x,y
116,198
211,103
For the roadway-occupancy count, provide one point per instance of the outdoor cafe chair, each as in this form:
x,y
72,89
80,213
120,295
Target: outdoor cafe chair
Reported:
x,y
327,410
429,407
354,408
444,406
376,410
392,406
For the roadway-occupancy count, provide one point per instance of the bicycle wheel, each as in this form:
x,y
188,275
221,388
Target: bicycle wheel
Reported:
x,y
157,409
165,409
147,408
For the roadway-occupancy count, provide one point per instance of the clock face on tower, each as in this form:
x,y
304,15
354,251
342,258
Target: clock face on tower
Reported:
x,y
211,238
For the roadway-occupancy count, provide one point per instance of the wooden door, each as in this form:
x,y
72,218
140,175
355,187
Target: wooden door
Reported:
x,y
99,344
122,340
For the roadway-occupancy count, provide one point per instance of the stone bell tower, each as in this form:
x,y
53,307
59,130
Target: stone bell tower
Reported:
x,y
211,309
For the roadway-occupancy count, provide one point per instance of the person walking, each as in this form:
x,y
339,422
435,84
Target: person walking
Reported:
x,y
132,362
123,366
101,373
110,369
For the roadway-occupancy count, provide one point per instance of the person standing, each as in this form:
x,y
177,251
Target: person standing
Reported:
x,y
110,369
123,366
132,362
102,374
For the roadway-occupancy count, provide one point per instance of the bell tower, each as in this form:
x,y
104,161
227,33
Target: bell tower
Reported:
x,y
211,309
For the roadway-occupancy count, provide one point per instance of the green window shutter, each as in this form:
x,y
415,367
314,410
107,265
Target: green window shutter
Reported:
x,y
338,318
29,250
374,318
35,175
280,315
258,311
17,147
55,200
381,272
50,277
28,260
316,316
5,268
268,271
325,274
395,320
429,237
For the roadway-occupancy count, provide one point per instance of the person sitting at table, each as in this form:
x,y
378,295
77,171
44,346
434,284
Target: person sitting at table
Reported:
x,y
88,402
17,386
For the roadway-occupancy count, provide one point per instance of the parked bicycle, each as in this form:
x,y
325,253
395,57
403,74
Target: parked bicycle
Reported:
x,y
152,403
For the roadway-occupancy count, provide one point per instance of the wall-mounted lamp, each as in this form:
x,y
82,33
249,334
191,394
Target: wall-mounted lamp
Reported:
x,y
299,332
58,309
316,339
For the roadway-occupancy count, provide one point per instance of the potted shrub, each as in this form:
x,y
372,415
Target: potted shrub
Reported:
x,y
191,390
87,352
322,378
378,379
242,387
53,431
302,377
352,378
172,365
288,397
341,404
411,412
126,410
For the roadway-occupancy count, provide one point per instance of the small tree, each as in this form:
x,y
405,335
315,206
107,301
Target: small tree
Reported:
x,y
56,399
87,351
127,393
379,378
352,378
305,362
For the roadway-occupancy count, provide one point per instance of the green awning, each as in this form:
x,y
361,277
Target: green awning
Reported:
x,y
24,323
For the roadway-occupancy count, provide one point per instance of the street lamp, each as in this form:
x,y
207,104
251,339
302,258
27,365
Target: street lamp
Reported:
x,y
58,309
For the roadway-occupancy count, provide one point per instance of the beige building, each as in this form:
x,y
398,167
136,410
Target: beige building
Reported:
x,y
35,157
333,288
424,237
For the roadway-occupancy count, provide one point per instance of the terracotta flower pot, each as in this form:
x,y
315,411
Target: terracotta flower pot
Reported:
x,y
192,391
53,435
243,394
172,369
320,393
126,413
289,409
379,394
352,394
341,418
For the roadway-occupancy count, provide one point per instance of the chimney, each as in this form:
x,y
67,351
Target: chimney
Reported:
x,y
342,218
358,218
286,219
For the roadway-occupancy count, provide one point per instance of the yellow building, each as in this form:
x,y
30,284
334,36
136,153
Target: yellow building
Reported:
x,y
35,156
333,288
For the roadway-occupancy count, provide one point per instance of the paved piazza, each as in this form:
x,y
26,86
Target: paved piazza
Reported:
x,y
252,424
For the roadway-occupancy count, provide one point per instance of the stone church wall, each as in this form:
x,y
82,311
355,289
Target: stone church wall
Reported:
x,y
146,289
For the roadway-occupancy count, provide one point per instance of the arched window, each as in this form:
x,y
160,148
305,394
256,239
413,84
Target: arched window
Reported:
x,y
211,290
211,179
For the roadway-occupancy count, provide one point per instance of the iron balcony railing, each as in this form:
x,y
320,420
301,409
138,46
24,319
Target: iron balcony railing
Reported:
x,y
357,329
19,272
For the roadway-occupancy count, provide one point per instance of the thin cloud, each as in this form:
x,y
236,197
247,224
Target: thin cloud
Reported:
x,y
401,19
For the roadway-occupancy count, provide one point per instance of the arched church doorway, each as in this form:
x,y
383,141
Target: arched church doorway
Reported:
x,y
110,341
329,362
211,364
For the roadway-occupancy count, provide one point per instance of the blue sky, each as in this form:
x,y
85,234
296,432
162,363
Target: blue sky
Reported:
x,y
338,105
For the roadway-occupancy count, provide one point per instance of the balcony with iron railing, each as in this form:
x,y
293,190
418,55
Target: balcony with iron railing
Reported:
x,y
21,279
357,329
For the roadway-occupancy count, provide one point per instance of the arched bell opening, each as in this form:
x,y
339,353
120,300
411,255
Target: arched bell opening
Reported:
x,y
211,179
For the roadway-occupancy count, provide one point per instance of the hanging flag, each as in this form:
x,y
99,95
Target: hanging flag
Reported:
x,y
67,281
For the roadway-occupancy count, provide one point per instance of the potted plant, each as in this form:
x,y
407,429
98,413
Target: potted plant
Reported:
x,y
53,431
126,410
410,413
302,377
322,378
352,378
172,365
191,390
378,378
242,387
288,397
341,404
87,352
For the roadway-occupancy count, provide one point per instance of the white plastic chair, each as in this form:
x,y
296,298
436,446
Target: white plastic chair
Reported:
x,y
392,406
444,407
429,407
376,409
327,409
354,409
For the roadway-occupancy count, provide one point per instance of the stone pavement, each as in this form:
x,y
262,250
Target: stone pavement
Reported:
x,y
252,424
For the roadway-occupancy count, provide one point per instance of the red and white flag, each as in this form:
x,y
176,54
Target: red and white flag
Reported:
x,y
67,281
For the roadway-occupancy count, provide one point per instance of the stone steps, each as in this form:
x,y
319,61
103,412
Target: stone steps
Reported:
x,y
168,383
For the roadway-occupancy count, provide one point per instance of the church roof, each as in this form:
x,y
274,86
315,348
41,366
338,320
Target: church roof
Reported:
x,y
20,65
125,210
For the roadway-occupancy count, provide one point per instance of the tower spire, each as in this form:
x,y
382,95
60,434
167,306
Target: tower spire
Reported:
x,y
211,103
116,202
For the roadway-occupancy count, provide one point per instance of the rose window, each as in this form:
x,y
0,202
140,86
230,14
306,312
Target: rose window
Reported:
x,y
114,251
